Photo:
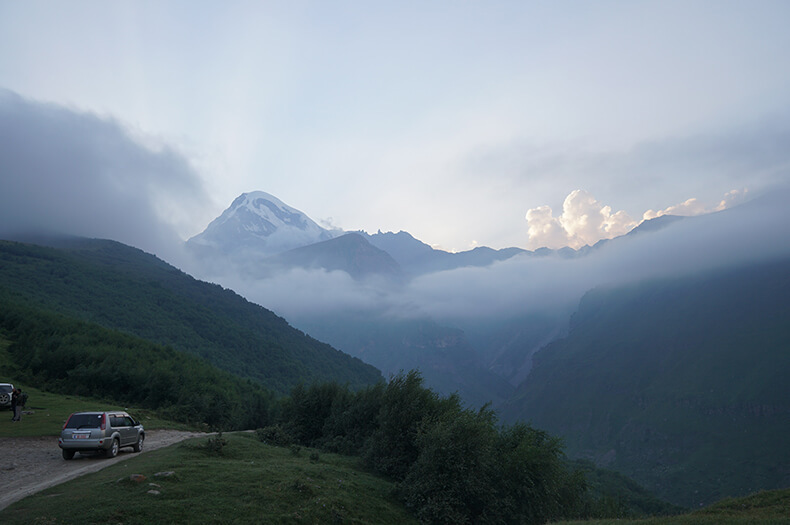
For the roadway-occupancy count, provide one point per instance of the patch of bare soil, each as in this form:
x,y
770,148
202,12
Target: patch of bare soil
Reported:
x,y
31,464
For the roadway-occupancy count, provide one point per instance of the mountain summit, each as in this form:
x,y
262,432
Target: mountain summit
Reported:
x,y
261,223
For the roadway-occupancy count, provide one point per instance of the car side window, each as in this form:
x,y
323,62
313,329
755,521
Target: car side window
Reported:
x,y
128,421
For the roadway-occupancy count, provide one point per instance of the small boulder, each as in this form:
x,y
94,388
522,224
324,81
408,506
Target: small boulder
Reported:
x,y
138,478
165,474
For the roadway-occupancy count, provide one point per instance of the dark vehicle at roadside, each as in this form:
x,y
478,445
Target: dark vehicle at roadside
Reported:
x,y
105,432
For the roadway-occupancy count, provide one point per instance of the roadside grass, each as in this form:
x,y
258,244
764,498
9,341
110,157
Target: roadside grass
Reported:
x,y
763,508
244,481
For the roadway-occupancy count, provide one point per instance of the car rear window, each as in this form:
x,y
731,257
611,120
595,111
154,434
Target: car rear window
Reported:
x,y
84,421
5,389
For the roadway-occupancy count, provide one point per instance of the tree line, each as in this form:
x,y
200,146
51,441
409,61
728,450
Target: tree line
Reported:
x,y
451,464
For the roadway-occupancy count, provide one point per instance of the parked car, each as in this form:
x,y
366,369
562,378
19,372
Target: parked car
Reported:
x,y
104,432
5,394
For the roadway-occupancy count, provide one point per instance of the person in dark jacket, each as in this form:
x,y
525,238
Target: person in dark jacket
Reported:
x,y
16,408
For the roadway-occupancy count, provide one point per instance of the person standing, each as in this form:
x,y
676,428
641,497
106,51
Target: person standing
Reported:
x,y
15,406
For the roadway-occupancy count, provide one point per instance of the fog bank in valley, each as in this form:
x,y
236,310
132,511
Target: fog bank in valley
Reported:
x,y
528,285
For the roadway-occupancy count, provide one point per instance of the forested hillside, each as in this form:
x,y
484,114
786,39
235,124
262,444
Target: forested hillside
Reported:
x,y
73,357
119,287
678,383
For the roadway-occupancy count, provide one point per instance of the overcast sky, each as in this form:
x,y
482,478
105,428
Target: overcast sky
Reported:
x,y
455,121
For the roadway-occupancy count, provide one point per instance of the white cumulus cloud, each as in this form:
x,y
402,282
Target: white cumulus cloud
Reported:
x,y
584,221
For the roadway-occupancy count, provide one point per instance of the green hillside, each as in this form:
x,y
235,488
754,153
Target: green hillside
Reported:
x,y
59,354
122,288
679,383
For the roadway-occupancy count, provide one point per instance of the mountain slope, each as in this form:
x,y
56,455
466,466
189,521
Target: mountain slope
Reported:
x,y
350,253
417,258
443,355
126,289
679,383
258,223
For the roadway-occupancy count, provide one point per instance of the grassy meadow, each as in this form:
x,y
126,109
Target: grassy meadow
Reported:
x,y
244,481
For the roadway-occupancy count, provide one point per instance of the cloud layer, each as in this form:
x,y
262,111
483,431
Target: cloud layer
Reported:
x,y
76,173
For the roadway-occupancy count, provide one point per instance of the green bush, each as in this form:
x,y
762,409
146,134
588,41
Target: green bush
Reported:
x,y
274,435
216,445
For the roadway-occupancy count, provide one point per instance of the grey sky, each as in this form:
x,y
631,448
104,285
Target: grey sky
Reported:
x,y
448,120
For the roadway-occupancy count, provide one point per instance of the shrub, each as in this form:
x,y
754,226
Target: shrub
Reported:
x,y
275,435
215,445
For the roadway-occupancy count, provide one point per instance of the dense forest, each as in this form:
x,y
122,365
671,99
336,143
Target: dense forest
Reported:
x,y
70,356
122,288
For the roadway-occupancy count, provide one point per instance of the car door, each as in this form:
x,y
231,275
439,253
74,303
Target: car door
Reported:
x,y
120,424
131,431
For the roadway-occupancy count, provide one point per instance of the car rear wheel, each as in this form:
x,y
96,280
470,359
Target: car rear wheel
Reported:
x,y
68,454
138,447
113,450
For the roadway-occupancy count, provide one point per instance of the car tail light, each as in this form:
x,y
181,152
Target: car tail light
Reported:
x,y
103,421
66,423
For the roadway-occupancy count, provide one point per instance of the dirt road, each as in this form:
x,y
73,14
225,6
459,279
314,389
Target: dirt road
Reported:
x,y
32,464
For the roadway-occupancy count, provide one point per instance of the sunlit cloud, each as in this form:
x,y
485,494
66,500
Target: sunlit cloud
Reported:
x,y
584,221
693,206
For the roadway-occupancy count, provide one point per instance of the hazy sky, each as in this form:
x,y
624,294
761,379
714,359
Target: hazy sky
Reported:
x,y
451,120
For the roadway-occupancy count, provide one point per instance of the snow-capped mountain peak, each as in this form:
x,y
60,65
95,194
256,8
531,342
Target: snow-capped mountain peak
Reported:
x,y
260,222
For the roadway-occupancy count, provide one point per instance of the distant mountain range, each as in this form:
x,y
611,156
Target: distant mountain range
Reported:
x,y
262,235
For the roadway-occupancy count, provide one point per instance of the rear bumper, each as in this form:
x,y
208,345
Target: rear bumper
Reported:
x,y
85,444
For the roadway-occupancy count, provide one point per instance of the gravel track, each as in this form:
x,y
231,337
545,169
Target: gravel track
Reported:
x,y
31,464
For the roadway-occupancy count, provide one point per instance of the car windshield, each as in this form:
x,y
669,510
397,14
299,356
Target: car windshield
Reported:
x,y
5,389
84,421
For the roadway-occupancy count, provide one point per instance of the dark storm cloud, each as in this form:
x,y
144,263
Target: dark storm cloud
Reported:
x,y
63,171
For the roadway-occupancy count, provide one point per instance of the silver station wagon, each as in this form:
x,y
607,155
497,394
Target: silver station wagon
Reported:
x,y
104,432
